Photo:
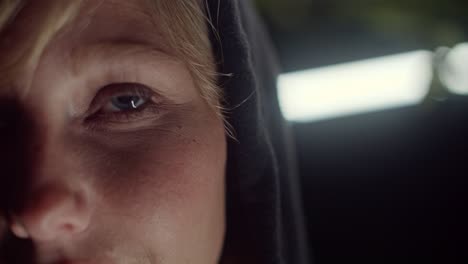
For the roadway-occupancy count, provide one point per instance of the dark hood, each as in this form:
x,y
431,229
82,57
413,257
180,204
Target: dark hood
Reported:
x,y
264,213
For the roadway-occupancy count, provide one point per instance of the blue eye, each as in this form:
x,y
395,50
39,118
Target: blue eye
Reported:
x,y
122,103
126,102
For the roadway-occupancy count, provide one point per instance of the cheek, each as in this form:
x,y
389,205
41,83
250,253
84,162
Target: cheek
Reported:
x,y
166,187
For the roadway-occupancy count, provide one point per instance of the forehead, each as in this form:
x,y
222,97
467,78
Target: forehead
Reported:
x,y
32,14
113,19
39,28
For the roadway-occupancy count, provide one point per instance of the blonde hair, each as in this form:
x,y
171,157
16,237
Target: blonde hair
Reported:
x,y
188,34
28,52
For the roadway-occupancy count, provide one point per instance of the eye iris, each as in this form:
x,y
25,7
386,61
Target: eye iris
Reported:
x,y
126,102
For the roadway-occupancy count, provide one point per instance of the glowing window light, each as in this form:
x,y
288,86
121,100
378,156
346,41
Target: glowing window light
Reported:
x,y
357,87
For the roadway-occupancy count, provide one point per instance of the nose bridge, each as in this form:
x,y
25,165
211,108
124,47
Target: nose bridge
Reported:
x,y
48,157
54,167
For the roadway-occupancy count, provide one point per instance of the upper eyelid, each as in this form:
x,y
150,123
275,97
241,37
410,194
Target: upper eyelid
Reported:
x,y
114,89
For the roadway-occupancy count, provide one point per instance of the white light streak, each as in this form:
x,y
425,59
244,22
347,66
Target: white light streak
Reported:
x,y
357,87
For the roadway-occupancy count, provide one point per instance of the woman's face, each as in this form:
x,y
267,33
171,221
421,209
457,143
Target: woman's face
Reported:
x,y
116,157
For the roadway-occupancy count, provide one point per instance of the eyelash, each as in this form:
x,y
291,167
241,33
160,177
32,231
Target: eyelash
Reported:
x,y
151,108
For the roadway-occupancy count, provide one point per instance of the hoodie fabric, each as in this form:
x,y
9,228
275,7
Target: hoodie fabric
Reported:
x,y
264,215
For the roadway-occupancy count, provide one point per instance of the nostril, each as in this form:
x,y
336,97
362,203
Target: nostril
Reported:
x,y
71,224
68,227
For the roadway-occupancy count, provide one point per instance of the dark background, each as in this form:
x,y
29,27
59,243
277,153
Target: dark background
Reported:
x,y
388,186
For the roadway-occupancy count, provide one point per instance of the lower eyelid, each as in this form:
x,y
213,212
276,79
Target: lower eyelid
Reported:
x,y
126,119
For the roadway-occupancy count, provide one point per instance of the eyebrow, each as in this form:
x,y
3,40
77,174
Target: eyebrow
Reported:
x,y
115,51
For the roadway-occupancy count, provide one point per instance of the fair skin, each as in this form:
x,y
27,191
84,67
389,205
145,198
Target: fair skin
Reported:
x,y
125,160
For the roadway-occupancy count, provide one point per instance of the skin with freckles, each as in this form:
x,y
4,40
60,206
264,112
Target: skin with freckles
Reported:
x,y
113,154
